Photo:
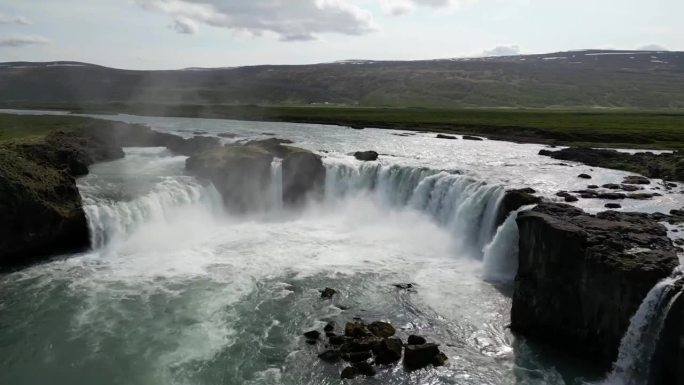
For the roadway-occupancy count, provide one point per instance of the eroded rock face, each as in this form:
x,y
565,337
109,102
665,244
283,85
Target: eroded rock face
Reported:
x,y
581,277
513,200
303,177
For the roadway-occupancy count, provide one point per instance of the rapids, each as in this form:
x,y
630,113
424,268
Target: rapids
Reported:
x,y
177,291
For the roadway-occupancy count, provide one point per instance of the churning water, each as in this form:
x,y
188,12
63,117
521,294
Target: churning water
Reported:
x,y
177,291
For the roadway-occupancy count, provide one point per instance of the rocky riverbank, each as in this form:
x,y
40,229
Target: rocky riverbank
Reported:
x,y
581,277
667,166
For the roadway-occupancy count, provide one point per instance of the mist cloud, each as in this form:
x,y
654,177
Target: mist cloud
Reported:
x,y
652,47
22,40
290,20
19,20
502,50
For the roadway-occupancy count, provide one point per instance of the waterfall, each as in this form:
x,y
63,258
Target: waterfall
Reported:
x,y
501,254
111,220
465,206
638,345
277,184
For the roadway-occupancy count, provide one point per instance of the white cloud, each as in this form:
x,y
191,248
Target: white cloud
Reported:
x,y
652,47
184,26
401,7
288,19
22,40
502,50
20,20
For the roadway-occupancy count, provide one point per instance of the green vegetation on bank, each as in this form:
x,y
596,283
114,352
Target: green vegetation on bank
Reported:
x,y
597,128
36,126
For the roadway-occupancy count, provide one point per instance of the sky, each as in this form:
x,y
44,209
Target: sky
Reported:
x,y
172,34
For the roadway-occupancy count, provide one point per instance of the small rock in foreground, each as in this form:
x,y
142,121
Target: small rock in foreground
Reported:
x,y
328,292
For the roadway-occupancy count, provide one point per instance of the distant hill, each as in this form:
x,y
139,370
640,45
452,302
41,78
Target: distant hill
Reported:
x,y
632,79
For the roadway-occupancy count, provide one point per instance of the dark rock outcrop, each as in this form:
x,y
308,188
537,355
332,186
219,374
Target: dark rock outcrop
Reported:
x,y
581,277
513,200
366,156
303,177
665,166
470,137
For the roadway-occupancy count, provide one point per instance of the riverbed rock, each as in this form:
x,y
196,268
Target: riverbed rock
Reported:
x,y
366,156
581,276
612,206
356,329
570,198
388,351
312,335
328,293
611,186
584,176
450,137
636,179
330,356
420,356
381,329
416,340
611,195
470,137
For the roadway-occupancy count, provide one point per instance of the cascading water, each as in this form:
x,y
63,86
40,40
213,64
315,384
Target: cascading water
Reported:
x,y
277,184
464,206
501,254
638,345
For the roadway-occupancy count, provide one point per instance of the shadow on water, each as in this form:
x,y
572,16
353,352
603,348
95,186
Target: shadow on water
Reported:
x,y
537,362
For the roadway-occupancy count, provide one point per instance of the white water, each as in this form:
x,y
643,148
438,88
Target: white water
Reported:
x,y
277,184
462,205
177,292
501,254
638,345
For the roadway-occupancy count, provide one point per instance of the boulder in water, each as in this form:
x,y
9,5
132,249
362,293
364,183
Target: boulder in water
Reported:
x,y
330,356
328,293
513,200
388,351
381,329
416,340
366,156
312,335
584,176
420,356
442,136
612,206
636,179
470,137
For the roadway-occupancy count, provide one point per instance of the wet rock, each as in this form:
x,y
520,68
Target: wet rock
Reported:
x,y
592,186
356,329
303,177
442,136
576,287
381,329
359,344
356,127
584,176
611,186
337,340
328,293
364,369
416,340
612,206
513,200
357,356
611,196
470,137
420,356
366,156
348,373
388,351
403,286
312,335
570,198
562,194
636,179
440,359
330,326
330,356
630,187
640,196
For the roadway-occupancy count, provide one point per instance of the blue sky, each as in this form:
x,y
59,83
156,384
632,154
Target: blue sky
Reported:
x,y
168,34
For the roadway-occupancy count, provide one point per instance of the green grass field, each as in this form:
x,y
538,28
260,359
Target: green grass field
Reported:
x,y
26,127
596,128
